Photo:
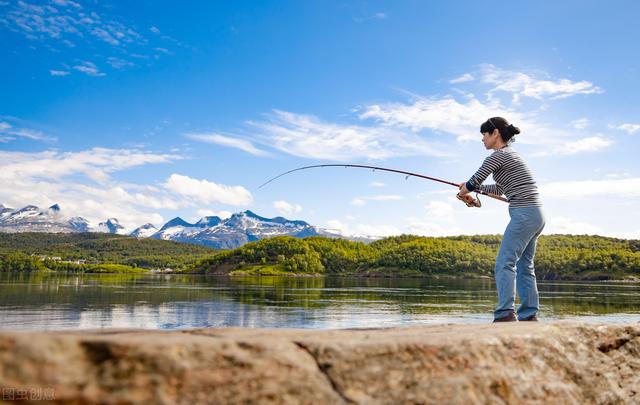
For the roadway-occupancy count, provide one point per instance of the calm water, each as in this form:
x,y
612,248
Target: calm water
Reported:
x,y
56,301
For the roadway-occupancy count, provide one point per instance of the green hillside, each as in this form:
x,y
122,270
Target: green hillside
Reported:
x,y
558,257
96,248
566,257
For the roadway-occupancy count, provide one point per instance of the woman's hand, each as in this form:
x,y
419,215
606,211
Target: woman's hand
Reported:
x,y
469,200
463,189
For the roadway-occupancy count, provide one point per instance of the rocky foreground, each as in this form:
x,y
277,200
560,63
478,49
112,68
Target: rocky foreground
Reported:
x,y
460,364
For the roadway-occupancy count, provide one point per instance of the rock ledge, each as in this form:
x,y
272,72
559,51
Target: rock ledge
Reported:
x,y
456,364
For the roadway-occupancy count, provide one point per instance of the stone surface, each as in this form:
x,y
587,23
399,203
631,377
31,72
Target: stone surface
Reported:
x,y
533,363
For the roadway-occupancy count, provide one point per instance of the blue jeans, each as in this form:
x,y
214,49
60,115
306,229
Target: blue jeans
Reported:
x,y
514,264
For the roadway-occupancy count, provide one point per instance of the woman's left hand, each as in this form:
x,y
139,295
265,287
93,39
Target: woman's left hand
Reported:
x,y
463,189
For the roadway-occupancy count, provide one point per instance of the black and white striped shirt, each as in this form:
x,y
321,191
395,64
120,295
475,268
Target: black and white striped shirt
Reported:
x,y
512,176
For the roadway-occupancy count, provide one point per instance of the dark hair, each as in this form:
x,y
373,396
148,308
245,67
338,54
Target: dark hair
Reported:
x,y
507,131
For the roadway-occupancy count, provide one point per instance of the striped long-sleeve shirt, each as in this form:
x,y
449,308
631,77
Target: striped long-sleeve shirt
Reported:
x,y
512,176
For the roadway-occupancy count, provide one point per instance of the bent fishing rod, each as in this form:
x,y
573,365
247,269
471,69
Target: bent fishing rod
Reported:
x,y
374,168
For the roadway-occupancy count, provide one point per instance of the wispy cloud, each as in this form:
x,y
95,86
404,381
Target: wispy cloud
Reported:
x,y
361,229
629,128
59,72
360,201
287,209
119,63
69,21
625,187
440,211
589,144
376,16
89,68
445,114
72,25
467,77
580,123
521,84
564,225
10,132
308,136
461,118
228,141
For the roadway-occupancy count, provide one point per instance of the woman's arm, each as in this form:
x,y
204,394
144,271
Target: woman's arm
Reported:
x,y
495,189
492,163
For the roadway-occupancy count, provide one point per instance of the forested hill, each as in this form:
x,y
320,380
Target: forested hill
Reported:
x,y
558,257
103,248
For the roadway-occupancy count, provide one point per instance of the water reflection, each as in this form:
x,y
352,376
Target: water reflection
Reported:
x,y
46,301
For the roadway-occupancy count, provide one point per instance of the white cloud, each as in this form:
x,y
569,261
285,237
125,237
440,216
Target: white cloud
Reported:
x,y
211,213
119,63
372,230
563,225
337,226
467,77
89,68
629,128
521,84
463,120
105,35
286,209
433,229
208,192
360,201
376,16
10,133
377,184
440,211
448,115
237,143
68,20
590,144
581,123
49,177
580,189
377,230
307,136
66,3
58,72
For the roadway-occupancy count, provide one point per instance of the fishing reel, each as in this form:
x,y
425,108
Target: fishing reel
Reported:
x,y
470,201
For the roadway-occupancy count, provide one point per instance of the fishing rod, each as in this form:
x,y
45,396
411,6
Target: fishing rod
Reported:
x,y
374,168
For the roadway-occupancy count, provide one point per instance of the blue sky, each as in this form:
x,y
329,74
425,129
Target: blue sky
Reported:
x,y
145,111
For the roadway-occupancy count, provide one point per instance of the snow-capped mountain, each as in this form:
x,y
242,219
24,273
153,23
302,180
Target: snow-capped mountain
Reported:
x,y
232,232
144,231
52,219
111,225
34,219
212,231
80,224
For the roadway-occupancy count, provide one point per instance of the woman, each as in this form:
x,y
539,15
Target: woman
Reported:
x,y
514,265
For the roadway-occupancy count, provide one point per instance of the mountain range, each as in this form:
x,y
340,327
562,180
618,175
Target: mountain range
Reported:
x,y
211,231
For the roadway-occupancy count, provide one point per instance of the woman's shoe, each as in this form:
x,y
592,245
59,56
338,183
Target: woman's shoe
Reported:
x,y
532,318
509,318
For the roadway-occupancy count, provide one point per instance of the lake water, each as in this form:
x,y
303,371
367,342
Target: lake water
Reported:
x,y
59,301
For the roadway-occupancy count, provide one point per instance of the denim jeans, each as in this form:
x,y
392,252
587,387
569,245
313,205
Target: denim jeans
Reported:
x,y
514,265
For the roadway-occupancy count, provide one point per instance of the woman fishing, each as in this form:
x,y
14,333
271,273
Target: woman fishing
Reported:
x,y
514,269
